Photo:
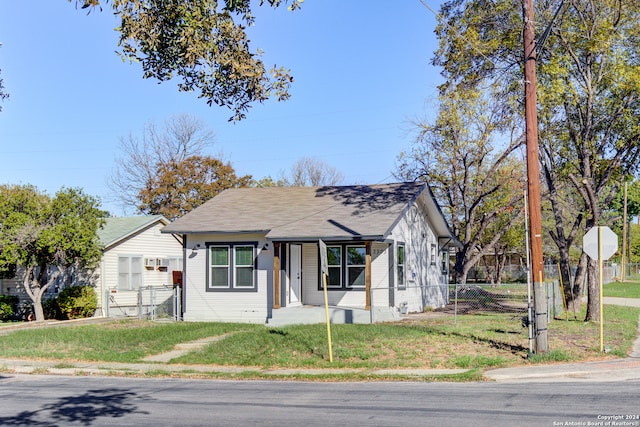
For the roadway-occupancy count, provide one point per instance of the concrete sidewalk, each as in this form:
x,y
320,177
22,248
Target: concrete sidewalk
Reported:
x,y
20,366
609,370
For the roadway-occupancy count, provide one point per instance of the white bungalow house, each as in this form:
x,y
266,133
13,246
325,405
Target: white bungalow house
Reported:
x,y
136,255
252,254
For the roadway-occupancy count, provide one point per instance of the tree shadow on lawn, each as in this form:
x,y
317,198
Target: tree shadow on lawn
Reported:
x,y
83,409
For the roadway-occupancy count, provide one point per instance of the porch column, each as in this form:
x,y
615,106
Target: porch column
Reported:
x,y
367,276
276,275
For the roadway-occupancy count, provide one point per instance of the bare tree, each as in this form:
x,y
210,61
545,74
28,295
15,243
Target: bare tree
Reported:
x,y
181,137
312,171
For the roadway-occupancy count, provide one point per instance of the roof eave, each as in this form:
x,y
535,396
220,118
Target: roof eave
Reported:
x,y
358,238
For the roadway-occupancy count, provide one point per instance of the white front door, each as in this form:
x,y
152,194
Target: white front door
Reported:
x,y
295,274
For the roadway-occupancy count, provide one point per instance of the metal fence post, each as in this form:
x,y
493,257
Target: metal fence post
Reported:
x,y
152,303
105,302
455,309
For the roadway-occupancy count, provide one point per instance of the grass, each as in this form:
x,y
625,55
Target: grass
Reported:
x,y
475,342
622,289
120,341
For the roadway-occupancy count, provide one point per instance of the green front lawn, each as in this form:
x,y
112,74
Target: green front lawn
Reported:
x,y
475,341
622,289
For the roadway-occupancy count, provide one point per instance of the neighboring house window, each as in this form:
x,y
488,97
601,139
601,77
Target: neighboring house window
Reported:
x,y
231,267
356,266
334,260
174,264
400,266
433,254
129,272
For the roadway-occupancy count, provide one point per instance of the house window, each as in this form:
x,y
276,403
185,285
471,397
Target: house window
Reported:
x,y
231,267
334,261
129,272
356,266
400,266
347,267
445,262
433,254
243,266
220,267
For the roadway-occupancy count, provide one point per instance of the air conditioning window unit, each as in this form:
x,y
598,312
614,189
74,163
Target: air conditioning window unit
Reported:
x,y
150,262
163,262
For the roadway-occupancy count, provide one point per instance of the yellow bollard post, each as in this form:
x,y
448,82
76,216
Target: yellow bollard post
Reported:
x,y
326,310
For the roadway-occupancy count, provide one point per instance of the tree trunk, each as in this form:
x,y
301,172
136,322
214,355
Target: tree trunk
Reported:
x,y
593,289
37,305
460,269
571,292
36,289
500,263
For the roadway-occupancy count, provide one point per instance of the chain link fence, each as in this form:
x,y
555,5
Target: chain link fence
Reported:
x,y
151,302
468,299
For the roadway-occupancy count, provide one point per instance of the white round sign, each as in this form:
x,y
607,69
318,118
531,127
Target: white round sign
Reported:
x,y
598,237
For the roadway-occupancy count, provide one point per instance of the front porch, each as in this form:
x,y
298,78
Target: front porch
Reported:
x,y
310,314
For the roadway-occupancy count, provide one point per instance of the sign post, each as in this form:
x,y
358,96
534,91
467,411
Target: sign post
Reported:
x,y
600,243
324,267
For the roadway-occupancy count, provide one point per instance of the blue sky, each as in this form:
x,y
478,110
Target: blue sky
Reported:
x,y
362,75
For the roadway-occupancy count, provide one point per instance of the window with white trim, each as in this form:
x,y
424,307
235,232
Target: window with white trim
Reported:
x,y
219,267
231,267
356,266
334,261
400,266
347,267
129,272
243,266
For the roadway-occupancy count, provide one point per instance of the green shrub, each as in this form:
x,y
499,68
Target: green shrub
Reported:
x,y
78,301
8,306
51,309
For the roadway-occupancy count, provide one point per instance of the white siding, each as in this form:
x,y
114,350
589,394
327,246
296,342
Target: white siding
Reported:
x,y
226,306
380,274
424,281
148,243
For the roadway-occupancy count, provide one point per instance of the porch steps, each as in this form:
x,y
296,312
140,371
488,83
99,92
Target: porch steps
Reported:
x,y
306,314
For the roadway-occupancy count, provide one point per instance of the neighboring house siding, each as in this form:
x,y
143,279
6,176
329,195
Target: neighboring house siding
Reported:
x,y
226,306
14,287
147,244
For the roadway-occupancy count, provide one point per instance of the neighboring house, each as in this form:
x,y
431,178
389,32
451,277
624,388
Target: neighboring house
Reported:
x,y
136,255
251,254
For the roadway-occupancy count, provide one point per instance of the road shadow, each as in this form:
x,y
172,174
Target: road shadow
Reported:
x,y
84,409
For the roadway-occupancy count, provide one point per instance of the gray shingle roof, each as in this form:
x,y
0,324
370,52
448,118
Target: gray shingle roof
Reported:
x,y
308,213
117,229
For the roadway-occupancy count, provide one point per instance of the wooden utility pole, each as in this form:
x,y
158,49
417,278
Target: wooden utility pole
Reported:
x,y
533,180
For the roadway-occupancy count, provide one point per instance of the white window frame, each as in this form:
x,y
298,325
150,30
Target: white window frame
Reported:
x,y
401,267
237,266
349,266
211,266
130,274
233,267
336,266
